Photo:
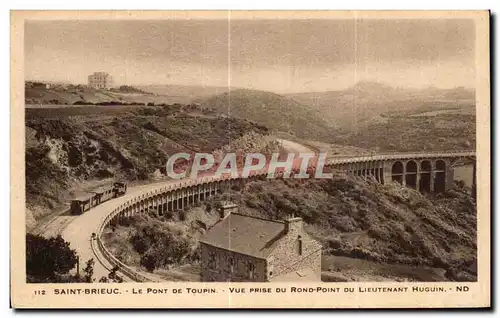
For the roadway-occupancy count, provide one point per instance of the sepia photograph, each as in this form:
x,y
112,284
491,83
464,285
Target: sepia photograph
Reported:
x,y
275,148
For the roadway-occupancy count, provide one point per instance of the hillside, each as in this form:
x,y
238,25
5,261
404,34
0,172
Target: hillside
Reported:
x,y
184,93
271,110
351,107
73,147
368,231
421,129
37,93
379,117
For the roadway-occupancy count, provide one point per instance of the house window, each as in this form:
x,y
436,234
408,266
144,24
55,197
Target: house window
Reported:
x,y
231,265
300,244
251,270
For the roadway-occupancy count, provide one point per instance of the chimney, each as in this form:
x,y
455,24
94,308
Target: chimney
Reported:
x,y
293,225
227,208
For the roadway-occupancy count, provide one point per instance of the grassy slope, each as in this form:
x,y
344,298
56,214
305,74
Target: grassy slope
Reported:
x,y
188,92
67,95
364,101
187,227
417,130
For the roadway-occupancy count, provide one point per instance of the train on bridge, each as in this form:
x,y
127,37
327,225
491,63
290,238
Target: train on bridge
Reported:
x,y
90,199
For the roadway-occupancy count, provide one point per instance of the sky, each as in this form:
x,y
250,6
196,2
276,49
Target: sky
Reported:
x,y
282,56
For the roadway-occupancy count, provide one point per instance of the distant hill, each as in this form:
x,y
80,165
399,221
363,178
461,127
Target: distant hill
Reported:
x,y
184,93
419,129
37,93
362,102
271,110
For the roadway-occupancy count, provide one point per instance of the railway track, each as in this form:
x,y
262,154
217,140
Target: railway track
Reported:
x,y
58,225
55,225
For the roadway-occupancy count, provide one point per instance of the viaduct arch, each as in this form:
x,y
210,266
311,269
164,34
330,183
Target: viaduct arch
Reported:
x,y
425,172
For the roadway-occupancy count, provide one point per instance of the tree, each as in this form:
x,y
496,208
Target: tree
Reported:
x,y
89,271
112,277
150,261
46,258
460,183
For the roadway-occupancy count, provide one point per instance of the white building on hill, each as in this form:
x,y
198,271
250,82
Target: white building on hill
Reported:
x,y
100,80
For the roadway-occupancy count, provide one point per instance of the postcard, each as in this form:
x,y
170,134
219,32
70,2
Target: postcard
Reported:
x,y
250,159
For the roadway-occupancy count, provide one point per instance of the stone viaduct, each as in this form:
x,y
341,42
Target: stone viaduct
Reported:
x,y
426,172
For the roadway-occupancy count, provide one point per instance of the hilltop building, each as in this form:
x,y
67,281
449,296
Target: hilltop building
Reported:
x,y
100,80
242,248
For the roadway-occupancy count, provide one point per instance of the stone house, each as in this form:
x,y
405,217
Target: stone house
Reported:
x,y
242,248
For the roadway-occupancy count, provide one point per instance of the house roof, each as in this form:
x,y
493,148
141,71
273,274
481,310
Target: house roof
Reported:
x,y
245,235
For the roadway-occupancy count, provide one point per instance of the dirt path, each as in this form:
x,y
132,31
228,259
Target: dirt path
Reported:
x,y
294,147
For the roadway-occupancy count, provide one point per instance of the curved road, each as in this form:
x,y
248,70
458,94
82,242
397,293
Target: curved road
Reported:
x,y
294,147
79,231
